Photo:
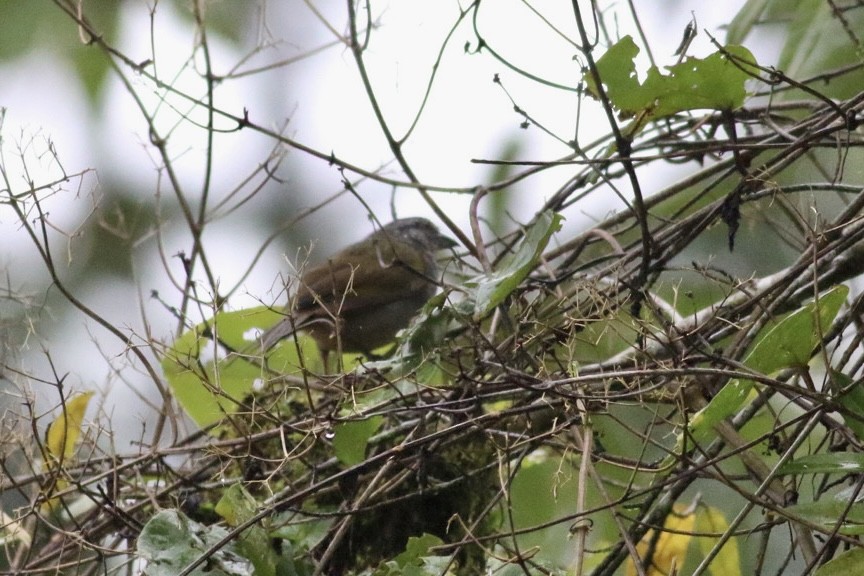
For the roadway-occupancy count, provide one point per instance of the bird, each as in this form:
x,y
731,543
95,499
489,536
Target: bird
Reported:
x,y
360,297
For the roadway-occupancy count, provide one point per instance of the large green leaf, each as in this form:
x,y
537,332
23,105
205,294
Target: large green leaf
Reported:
x,y
42,26
209,381
715,82
747,17
170,541
815,37
758,12
788,343
831,513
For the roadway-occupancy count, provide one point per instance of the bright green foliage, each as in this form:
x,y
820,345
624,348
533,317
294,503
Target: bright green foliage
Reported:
x,y
714,83
351,438
207,393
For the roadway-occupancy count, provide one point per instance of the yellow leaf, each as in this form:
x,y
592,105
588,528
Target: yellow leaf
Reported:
x,y
727,561
671,549
64,431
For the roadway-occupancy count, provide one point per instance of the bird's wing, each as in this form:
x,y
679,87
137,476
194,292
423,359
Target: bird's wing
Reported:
x,y
399,273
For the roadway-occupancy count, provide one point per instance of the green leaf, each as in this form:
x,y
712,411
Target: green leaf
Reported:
x,y
724,404
209,382
20,28
416,560
351,439
853,402
832,463
747,17
831,513
417,548
851,398
769,12
789,343
306,532
489,290
714,83
92,67
813,39
170,541
849,563
42,26
617,70
728,559
208,389
236,507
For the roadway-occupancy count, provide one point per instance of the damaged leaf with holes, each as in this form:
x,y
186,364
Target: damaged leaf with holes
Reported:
x,y
715,82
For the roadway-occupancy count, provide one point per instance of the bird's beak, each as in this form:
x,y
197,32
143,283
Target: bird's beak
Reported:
x,y
443,243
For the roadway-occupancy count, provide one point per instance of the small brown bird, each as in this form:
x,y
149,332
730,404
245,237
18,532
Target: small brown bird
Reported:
x,y
361,297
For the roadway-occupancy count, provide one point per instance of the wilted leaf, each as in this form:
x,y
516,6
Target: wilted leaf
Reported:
x,y
63,432
727,561
671,549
